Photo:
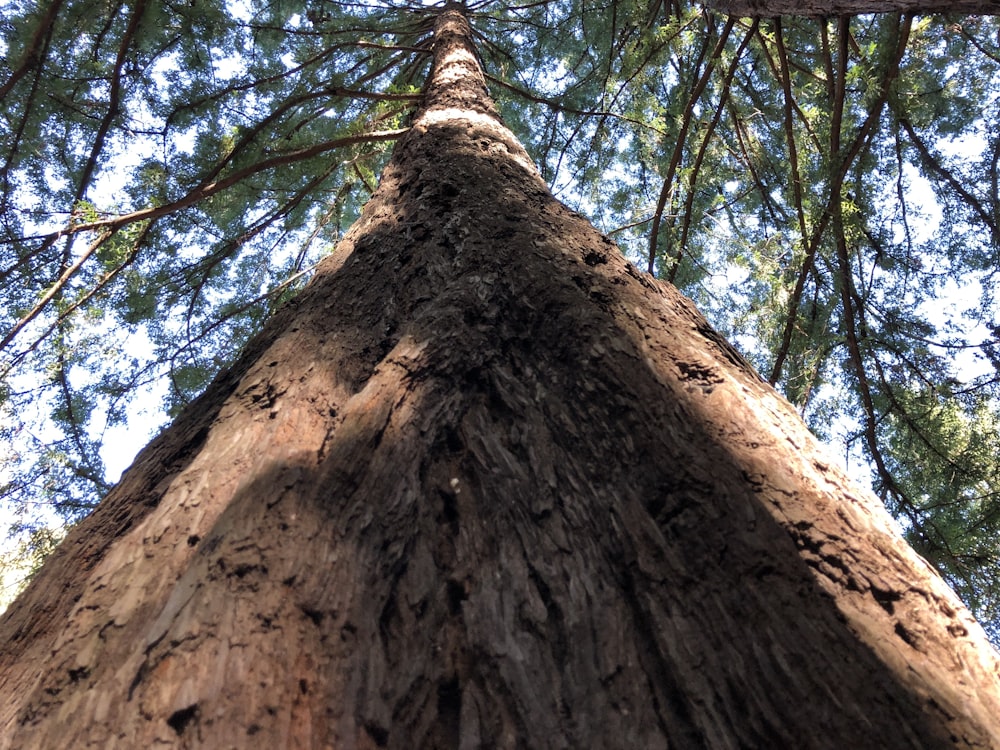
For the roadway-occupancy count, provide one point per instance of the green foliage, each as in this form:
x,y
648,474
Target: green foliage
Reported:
x,y
820,188
943,452
20,560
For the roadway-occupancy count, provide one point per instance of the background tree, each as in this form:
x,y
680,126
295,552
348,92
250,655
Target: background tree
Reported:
x,y
401,519
171,172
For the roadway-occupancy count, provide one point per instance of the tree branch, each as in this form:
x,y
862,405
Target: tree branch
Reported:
x,y
675,158
827,8
841,163
36,49
936,166
107,227
206,191
703,149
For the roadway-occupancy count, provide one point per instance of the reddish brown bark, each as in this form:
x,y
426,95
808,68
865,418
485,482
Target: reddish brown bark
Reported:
x,y
825,8
483,484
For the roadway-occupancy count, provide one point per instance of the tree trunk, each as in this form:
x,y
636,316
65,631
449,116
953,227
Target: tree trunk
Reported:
x,y
824,8
483,484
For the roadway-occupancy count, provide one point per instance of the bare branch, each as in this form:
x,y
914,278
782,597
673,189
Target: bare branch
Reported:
x,y
675,159
827,8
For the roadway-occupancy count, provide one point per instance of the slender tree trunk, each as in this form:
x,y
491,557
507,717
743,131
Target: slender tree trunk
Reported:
x,y
483,484
822,8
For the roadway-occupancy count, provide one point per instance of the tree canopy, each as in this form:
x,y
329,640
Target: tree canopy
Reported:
x,y
825,189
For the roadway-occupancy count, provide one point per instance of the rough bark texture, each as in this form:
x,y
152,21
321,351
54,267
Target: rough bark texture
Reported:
x,y
483,484
824,8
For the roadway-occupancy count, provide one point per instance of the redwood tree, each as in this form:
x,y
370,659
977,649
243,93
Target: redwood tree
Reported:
x,y
483,483
824,189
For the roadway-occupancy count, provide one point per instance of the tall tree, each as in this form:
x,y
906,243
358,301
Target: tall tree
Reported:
x,y
403,518
172,173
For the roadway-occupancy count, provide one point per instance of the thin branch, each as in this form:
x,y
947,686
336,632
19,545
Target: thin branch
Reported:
x,y
37,48
107,227
793,154
259,226
240,309
841,163
675,158
57,287
114,101
206,191
948,177
559,107
88,470
703,149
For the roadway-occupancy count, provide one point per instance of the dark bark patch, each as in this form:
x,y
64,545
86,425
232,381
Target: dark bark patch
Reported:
x,y
211,545
600,297
139,676
244,569
379,735
886,598
763,571
456,595
449,511
180,720
449,705
698,371
905,634
958,630
313,614
266,621
452,440
389,613
595,259
80,673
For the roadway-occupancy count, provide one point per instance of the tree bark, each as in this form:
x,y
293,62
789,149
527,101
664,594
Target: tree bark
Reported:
x,y
826,8
484,484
